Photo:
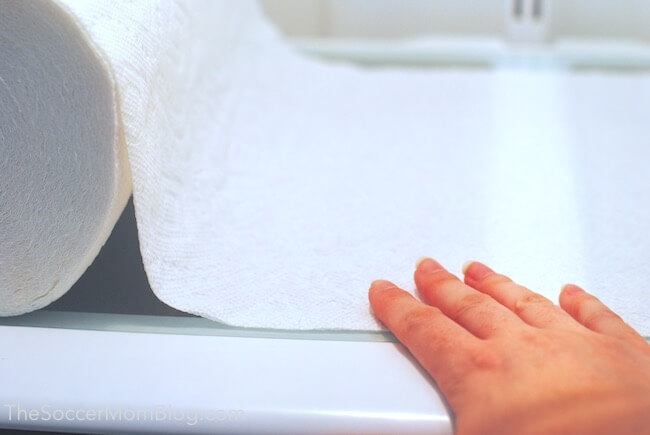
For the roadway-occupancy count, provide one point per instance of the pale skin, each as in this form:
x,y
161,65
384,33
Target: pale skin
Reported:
x,y
509,361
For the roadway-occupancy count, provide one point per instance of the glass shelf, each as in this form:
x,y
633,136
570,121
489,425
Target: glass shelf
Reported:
x,y
180,325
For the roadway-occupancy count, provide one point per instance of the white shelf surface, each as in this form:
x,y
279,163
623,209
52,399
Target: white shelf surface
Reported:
x,y
104,379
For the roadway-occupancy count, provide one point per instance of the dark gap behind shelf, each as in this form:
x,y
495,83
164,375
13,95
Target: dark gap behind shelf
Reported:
x,y
116,281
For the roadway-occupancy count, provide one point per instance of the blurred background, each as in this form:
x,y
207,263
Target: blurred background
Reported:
x,y
563,19
579,33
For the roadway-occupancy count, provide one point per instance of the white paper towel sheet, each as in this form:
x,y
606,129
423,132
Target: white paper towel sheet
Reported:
x,y
270,189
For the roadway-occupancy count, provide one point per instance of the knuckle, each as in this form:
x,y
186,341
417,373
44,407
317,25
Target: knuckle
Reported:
x,y
471,305
485,359
528,301
415,320
594,318
534,337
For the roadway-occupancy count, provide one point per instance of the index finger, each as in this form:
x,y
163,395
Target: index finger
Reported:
x,y
442,346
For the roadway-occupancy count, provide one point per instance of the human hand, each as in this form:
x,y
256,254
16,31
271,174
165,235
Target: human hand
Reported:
x,y
509,361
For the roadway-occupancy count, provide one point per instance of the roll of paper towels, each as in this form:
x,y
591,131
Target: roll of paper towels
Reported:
x,y
270,189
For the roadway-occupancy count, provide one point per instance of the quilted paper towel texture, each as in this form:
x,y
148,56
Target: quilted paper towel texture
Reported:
x,y
271,189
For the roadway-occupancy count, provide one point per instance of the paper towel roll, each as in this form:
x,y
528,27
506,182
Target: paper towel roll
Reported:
x,y
63,170
271,189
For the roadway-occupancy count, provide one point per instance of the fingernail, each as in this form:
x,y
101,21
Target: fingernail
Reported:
x,y
381,284
420,260
571,289
428,265
476,271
